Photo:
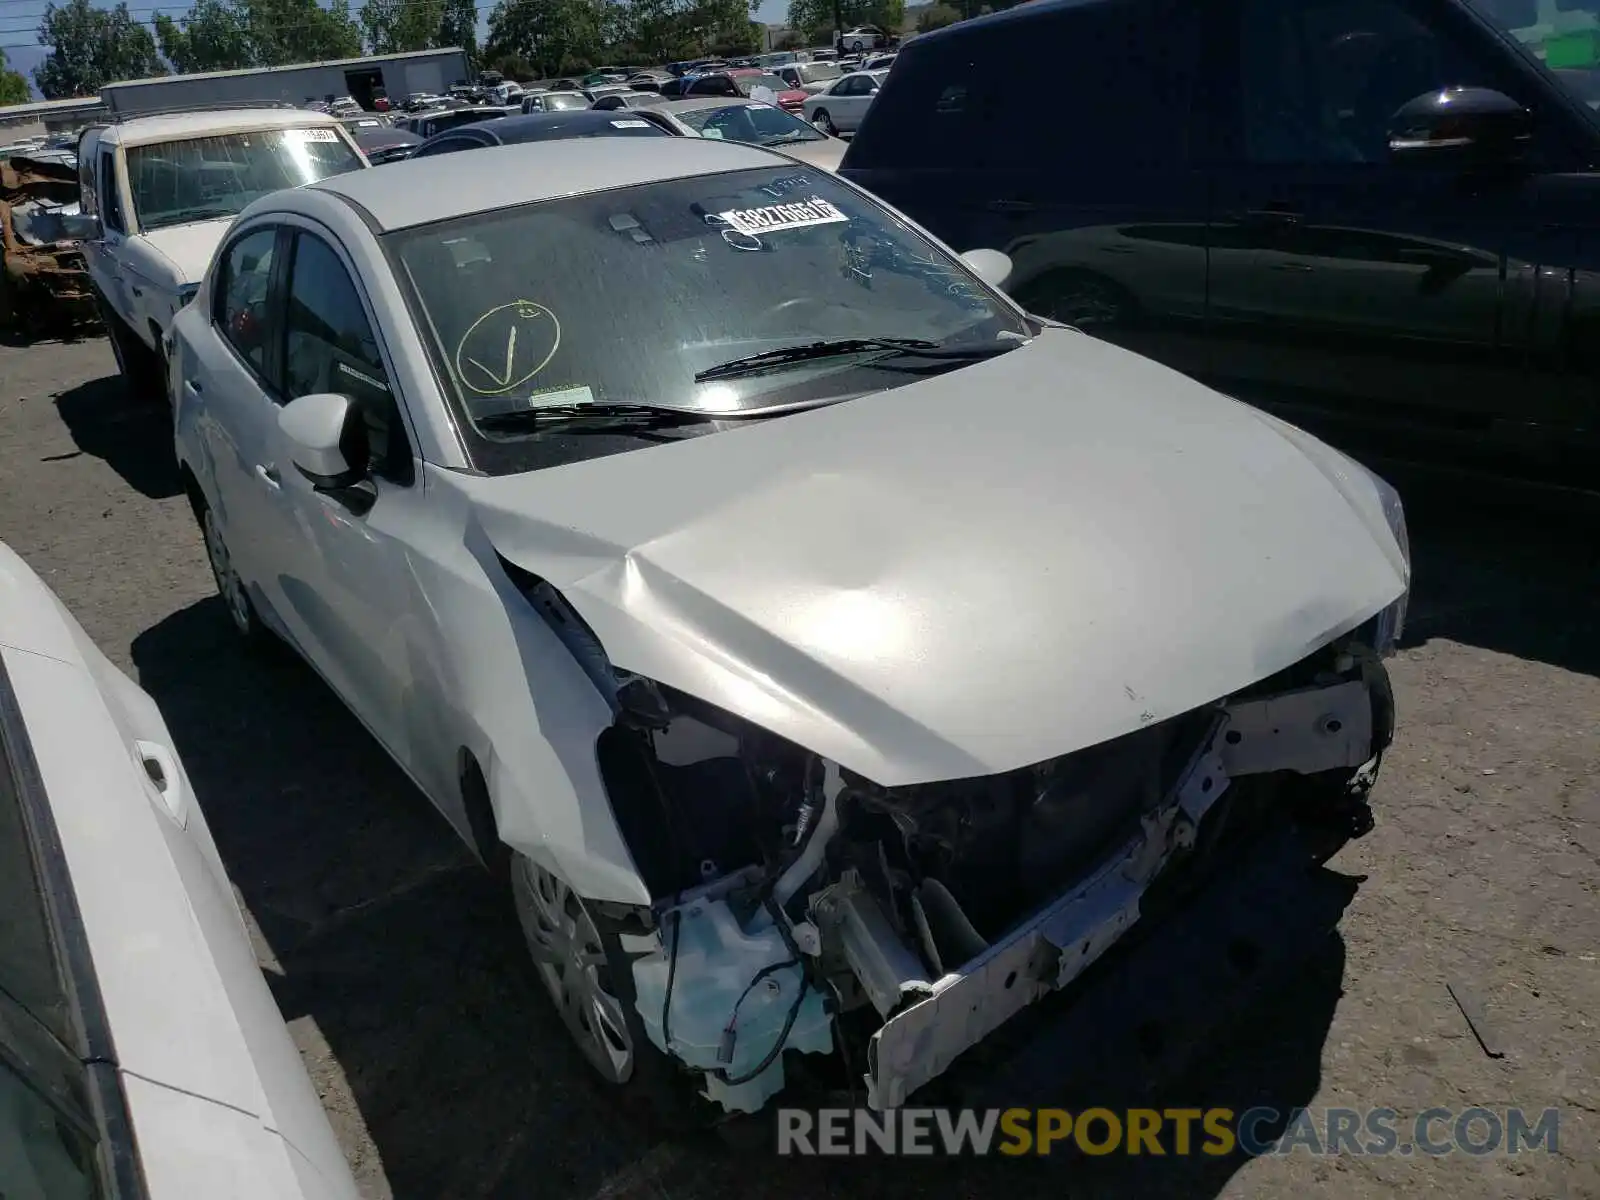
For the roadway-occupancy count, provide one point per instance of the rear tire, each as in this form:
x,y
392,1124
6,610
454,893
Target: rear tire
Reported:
x,y
230,587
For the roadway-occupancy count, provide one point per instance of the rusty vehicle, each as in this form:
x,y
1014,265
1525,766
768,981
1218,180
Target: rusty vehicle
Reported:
x,y
44,281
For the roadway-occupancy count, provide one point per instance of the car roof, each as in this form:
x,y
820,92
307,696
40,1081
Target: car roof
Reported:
x,y
701,103
528,127
505,176
166,127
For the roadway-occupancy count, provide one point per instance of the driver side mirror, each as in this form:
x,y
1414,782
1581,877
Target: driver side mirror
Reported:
x,y
1460,126
328,444
81,227
991,266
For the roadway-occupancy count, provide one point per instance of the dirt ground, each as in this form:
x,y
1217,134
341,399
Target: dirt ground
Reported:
x,y
401,973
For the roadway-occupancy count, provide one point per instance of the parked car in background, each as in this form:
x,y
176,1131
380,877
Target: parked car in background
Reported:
x,y
648,81
602,597
142,1056
506,93
809,77
1375,218
605,89
878,62
746,84
840,107
539,127
861,38
554,101
614,101
386,144
158,192
432,124
752,123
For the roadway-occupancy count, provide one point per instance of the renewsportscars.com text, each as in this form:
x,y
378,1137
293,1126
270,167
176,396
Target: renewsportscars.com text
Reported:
x,y
1214,1132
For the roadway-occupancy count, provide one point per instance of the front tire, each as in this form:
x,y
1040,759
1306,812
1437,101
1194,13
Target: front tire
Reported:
x,y
577,954
824,122
142,368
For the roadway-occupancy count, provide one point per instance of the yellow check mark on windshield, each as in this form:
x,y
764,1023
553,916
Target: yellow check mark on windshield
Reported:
x,y
511,354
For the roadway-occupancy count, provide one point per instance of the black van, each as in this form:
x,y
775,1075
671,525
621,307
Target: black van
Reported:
x,y
1381,217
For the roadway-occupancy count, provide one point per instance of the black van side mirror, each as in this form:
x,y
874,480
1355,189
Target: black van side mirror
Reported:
x,y
1460,126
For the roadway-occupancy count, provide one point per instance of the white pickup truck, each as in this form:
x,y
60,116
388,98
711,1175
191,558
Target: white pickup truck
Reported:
x,y
158,193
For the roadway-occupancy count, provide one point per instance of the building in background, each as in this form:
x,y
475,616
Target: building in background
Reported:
x,y
393,75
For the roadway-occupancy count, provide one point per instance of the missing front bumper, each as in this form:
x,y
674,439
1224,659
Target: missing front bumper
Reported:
x,y
1308,731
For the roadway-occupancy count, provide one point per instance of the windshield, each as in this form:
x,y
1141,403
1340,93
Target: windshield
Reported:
x,y
748,83
1563,34
199,178
757,124
622,296
818,72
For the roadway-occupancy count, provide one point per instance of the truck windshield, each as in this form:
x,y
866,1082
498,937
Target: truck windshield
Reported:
x,y
1563,34
199,178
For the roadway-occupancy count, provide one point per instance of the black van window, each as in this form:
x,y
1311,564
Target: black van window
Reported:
x,y
1098,84
1321,79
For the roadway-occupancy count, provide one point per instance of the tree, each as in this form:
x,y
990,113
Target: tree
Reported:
x,y
819,18
458,26
512,66
392,26
553,36
937,16
294,31
13,86
789,39
214,36
91,47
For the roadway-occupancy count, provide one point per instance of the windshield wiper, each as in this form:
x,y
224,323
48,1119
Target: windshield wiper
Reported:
x,y
754,364
582,418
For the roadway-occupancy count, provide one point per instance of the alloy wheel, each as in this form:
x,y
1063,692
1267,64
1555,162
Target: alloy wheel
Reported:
x,y
229,586
572,963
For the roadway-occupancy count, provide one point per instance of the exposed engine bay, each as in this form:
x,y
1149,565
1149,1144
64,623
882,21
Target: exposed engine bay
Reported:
x,y
803,908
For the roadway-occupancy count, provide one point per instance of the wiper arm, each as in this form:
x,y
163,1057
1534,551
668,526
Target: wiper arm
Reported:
x,y
754,364
586,417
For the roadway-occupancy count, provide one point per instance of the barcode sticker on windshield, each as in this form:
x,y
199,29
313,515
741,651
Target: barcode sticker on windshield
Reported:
x,y
630,124
311,135
774,217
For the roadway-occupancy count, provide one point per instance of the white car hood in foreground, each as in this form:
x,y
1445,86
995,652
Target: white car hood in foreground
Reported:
x,y
827,154
189,247
968,574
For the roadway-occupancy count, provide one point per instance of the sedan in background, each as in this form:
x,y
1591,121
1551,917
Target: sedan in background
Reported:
x,y
539,127
809,77
432,124
754,124
385,145
841,107
554,101
614,101
751,85
142,1056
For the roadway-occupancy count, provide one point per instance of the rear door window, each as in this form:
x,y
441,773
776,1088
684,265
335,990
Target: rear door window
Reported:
x,y
1088,87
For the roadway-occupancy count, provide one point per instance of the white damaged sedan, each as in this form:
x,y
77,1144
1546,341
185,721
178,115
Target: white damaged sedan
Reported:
x,y
832,656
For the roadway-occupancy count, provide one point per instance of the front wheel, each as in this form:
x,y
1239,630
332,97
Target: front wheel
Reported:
x,y
577,953
823,122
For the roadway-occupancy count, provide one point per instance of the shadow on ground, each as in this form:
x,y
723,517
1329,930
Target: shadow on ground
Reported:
x,y
1507,575
410,965
133,437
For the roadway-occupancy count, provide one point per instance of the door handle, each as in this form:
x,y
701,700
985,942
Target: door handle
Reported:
x,y
137,291
1012,206
193,385
268,474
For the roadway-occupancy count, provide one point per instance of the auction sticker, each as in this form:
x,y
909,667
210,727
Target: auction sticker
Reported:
x,y
311,135
776,217
634,124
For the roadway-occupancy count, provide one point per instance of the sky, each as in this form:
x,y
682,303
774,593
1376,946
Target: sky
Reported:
x,y
19,21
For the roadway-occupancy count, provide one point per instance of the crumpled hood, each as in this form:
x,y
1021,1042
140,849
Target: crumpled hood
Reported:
x,y
189,247
967,574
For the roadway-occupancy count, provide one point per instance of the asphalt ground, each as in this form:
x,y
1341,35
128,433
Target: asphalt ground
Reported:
x,y
401,973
